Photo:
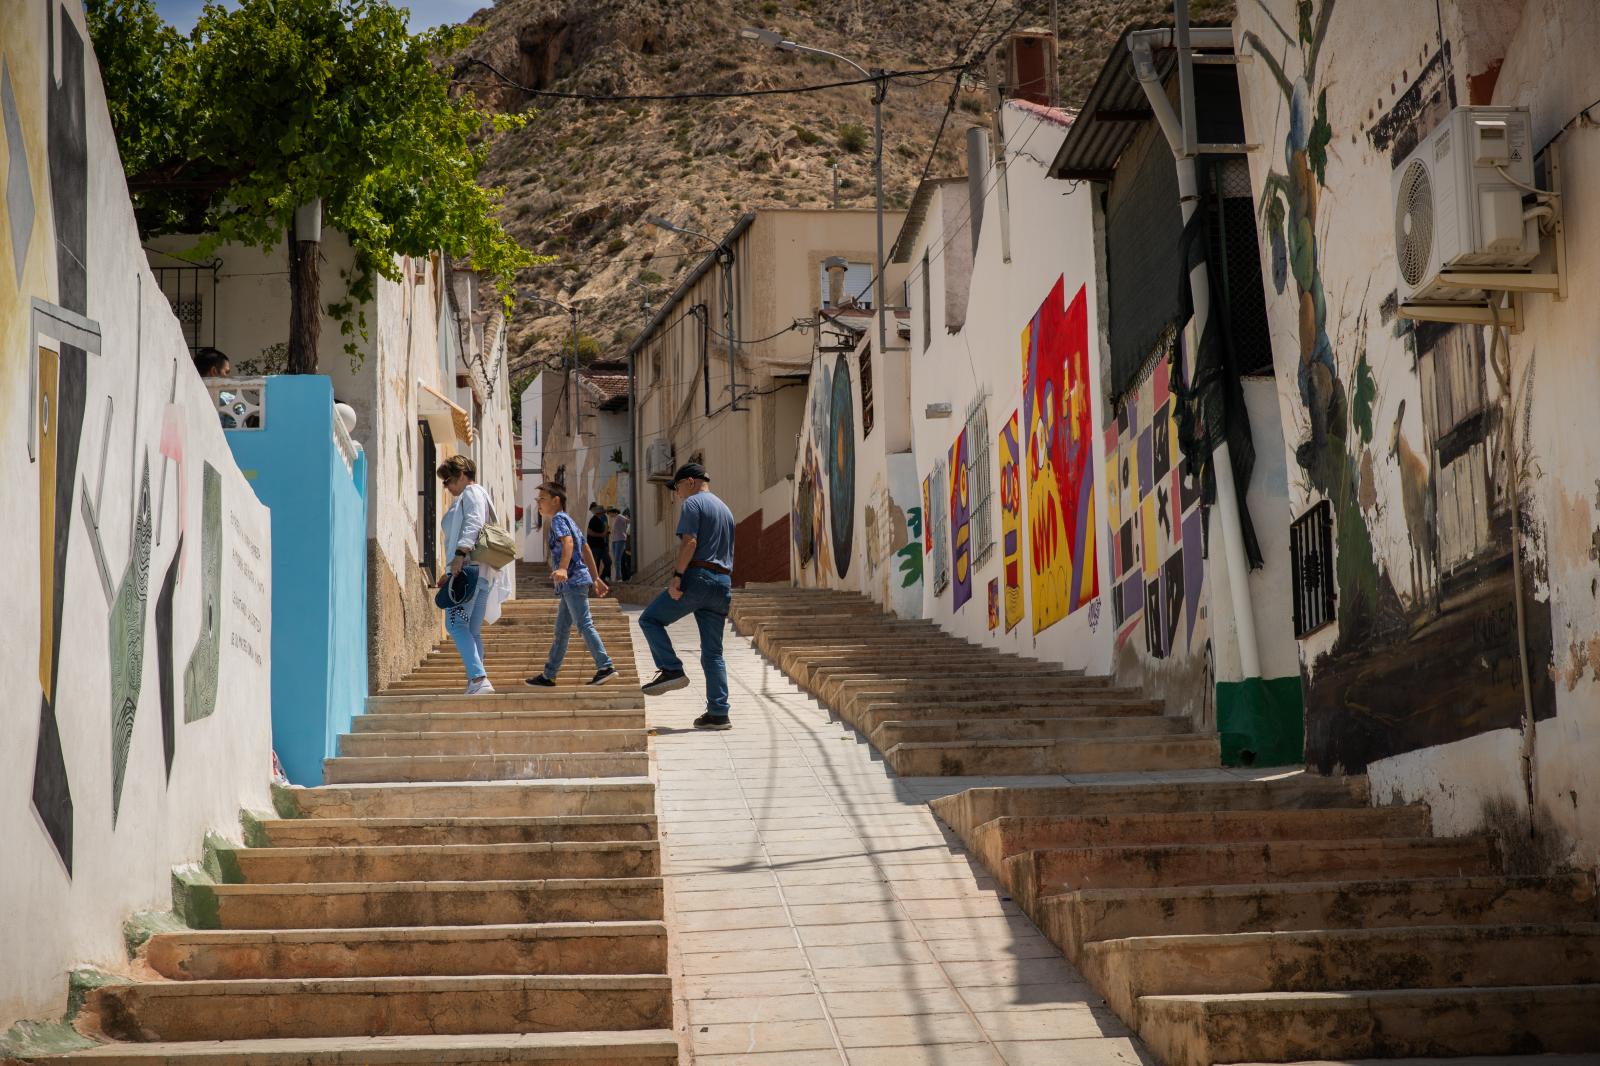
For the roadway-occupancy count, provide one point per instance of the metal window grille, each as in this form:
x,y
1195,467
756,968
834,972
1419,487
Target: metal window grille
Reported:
x,y
980,481
1235,249
190,291
428,501
866,390
1311,569
939,503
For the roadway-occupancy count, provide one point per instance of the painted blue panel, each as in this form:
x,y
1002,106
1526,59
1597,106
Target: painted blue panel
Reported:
x,y
319,570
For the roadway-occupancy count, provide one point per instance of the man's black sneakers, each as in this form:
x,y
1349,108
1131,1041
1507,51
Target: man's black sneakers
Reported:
x,y
541,682
602,676
665,681
709,721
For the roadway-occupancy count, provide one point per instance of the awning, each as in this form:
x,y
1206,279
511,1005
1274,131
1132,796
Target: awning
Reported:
x,y
445,418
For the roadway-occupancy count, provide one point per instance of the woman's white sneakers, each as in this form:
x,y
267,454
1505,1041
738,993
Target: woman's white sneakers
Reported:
x,y
480,687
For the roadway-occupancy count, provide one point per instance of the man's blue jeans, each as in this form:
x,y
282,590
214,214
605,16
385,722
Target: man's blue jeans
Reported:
x,y
575,608
706,595
464,623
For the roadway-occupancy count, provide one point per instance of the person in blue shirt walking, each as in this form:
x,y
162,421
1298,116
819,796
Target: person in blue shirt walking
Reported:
x,y
701,585
574,574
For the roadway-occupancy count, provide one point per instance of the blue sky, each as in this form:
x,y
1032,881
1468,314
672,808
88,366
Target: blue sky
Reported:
x,y
424,13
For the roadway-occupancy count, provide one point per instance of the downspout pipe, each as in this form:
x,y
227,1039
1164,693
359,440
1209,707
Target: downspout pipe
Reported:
x,y
1180,134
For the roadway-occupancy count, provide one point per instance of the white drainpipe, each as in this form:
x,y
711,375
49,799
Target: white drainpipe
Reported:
x,y
1181,138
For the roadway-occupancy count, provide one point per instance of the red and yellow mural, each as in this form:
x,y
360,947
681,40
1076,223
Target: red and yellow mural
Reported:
x,y
1056,402
960,525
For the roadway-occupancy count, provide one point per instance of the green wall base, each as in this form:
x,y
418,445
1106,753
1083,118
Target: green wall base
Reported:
x,y
1261,722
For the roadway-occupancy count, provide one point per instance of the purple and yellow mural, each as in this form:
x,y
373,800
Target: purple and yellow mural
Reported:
x,y
960,525
1056,401
1011,521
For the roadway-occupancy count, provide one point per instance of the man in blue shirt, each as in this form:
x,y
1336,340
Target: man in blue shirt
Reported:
x,y
701,585
572,570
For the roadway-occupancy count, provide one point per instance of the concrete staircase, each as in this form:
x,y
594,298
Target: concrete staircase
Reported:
x,y
1288,919
936,705
478,882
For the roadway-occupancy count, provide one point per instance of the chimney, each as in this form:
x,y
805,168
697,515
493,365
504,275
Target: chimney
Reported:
x,y
836,265
977,170
1029,65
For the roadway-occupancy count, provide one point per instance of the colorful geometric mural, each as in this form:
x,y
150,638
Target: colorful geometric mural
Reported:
x,y
960,525
938,516
200,676
994,603
1011,521
127,630
1154,523
1056,418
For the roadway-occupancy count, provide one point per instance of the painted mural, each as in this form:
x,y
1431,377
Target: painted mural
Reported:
x,y
1154,524
994,603
960,524
1056,421
1011,521
841,455
936,492
1406,429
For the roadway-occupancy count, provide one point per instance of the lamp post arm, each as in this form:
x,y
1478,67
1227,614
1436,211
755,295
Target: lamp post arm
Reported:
x,y
790,46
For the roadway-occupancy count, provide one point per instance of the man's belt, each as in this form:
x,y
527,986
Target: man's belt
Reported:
x,y
713,567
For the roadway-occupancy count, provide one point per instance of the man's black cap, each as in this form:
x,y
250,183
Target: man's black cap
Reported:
x,y
687,471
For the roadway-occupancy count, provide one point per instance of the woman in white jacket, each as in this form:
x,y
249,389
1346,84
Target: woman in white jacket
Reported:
x,y
462,523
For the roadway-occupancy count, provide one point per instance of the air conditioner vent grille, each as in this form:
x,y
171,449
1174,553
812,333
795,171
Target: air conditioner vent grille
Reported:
x,y
1413,223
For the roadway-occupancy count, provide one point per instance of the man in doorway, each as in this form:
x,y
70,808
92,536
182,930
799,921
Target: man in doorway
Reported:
x,y
619,542
598,539
701,585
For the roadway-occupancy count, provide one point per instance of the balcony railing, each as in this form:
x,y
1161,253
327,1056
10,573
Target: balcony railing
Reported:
x,y
241,402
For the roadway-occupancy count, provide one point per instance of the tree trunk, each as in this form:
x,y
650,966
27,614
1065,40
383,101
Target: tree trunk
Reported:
x,y
305,320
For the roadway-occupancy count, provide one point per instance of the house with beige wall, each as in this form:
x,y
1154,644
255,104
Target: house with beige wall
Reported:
x,y
722,379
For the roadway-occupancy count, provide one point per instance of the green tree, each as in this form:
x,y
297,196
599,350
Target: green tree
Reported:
x,y
282,102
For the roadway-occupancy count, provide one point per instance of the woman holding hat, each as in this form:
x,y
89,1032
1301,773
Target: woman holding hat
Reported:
x,y
481,588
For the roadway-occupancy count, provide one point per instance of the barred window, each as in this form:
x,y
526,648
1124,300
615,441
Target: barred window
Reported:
x,y
980,482
939,522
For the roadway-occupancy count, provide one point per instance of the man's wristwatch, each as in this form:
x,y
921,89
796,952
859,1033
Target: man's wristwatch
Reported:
x,y
678,574
462,553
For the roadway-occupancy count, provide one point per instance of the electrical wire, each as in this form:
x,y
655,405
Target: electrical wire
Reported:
x,y
1581,117
707,94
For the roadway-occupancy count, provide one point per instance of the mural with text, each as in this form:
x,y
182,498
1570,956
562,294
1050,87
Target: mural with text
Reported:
x,y
1056,426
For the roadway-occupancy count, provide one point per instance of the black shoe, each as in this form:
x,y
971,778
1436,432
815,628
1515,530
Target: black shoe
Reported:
x,y
602,676
708,721
541,682
665,681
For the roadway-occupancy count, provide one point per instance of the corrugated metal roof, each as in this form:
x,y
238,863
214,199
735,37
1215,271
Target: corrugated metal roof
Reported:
x,y
1112,114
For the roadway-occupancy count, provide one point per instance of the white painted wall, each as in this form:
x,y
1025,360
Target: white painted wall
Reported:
x,y
53,920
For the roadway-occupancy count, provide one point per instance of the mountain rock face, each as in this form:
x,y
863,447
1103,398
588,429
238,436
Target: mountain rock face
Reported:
x,y
582,175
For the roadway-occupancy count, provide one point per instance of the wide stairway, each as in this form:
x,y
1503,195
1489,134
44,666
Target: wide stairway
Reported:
x,y
1225,919
478,882
935,704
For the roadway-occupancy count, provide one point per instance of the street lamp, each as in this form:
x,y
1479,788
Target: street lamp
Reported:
x,y
773,39
572,313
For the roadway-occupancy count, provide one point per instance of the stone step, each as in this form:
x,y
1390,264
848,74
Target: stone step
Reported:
x,y
1470,956
491,721
1281,1026
1075,919
1043,872
492,742
868,717
644,1047
379,1006
1454,1060
997,840
438,951
343,832
534,799
358,905
966,810
1087,756
610,697
402,768
449,862
857,696
1076,727
508,679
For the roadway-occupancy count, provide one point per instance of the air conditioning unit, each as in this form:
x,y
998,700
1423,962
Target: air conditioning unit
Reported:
x,y
1458,207
658,460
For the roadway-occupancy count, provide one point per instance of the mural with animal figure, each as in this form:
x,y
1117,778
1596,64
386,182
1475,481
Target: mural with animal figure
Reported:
x,y
1398,425
1056,425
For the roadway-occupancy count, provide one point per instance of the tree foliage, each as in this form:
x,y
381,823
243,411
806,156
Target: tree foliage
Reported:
x,y
277,102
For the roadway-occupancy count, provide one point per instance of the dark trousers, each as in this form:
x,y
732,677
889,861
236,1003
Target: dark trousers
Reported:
x,y
602,555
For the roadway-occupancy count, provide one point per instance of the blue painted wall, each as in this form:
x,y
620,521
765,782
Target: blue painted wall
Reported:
x,y
319,570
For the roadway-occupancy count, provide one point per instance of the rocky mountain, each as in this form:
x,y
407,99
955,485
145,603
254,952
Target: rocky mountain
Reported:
x,y
581,176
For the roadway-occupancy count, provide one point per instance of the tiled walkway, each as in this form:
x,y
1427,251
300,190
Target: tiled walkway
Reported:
x,y
821,915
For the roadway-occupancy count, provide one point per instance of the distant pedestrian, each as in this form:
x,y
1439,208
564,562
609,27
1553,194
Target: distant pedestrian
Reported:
x,y
599,540
573,572
462,523
620,524
212,363
702,585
